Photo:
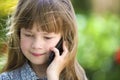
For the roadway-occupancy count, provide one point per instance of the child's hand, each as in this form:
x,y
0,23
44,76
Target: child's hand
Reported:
x,y
58,64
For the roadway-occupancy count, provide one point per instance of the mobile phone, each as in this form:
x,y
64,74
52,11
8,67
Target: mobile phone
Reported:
x,y
59,47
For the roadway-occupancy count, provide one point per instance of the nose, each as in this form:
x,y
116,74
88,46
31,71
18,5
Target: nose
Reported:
x,y
37,43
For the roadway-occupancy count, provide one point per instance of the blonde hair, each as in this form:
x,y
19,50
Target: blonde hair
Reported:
x,y
51,16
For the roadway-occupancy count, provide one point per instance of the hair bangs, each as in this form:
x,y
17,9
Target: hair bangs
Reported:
x,y
43,15
49,22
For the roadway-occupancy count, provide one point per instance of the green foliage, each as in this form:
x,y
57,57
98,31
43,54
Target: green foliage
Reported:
x,y
6,6
99,39
2,61
2,29
82,6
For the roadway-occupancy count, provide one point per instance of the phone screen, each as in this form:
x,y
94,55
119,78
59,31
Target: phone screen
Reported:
x,y
59,47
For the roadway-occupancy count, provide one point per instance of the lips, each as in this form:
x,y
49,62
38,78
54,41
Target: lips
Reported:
x,y
37,54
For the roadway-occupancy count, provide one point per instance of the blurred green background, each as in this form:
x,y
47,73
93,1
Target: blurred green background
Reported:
x,y
99,36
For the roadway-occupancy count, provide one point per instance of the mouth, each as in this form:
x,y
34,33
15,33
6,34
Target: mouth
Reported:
x,y
38,54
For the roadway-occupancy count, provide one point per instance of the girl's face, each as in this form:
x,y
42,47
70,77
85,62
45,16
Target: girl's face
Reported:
x,y
36,45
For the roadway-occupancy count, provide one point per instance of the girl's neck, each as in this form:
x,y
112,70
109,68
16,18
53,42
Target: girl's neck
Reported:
x,y
40,70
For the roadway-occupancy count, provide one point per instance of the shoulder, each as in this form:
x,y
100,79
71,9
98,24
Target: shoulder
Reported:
x,y
22,73
11,75
4,76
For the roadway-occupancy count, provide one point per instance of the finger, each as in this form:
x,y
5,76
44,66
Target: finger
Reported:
x,y
56,51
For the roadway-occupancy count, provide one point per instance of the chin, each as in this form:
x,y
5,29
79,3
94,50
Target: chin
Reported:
x,y
39,63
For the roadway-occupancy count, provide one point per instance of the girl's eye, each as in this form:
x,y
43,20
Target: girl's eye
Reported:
x,y
47,37
29,35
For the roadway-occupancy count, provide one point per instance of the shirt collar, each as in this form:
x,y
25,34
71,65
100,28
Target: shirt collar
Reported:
x,y
27,72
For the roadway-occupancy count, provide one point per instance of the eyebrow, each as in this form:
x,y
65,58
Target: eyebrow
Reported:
x,y
26,30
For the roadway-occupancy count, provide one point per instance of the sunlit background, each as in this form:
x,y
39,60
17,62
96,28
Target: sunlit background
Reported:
x,y
99,36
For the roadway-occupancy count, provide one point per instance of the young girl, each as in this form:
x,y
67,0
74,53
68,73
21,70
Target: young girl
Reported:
x,y
36,28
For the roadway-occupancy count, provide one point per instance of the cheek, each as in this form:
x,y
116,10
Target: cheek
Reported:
x,y
25,44
51,45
